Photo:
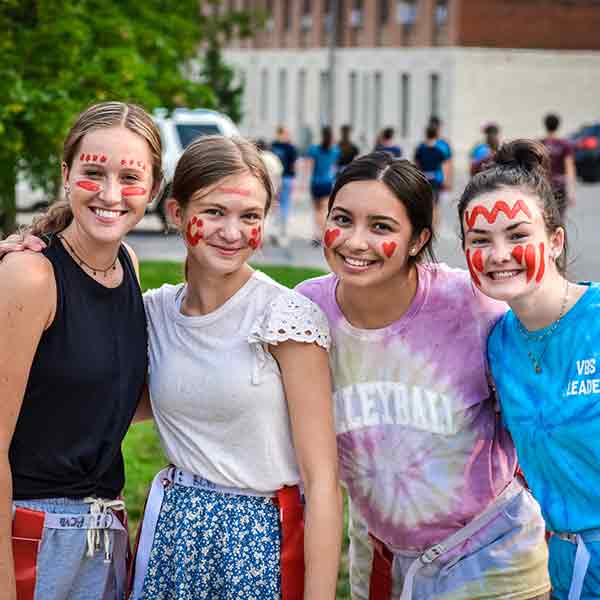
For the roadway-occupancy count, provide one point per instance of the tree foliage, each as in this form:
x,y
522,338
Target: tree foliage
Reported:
x,y
58,56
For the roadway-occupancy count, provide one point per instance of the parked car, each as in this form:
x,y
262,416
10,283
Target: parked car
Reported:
x,y
586,145
177,131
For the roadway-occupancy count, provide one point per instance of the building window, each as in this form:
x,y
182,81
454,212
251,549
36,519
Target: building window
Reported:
x,y
383,12
306,17
301,98
441,13
287,16
356,14
353,98
270,22
406,13
283,94
366,109
264,89
325,87
377,101
434,94
404,108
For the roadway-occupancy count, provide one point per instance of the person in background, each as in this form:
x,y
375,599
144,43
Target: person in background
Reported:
x,y
348,150
484,151
323,167
544,352
430,158
444,146
272,162
73,364
562,163
287,154
385,143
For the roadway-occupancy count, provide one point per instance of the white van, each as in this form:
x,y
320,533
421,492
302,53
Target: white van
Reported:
x,y
178,130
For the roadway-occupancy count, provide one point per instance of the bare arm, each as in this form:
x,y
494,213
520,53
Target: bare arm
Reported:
x,y
570,178
447,169
144,408
311,412
27,305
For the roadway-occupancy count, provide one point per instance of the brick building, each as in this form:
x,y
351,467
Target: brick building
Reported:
x,y
396,62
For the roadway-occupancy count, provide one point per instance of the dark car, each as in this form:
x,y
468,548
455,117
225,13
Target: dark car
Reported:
x,y
586,145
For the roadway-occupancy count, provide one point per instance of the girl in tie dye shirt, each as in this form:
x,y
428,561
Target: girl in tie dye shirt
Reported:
x,y
422,450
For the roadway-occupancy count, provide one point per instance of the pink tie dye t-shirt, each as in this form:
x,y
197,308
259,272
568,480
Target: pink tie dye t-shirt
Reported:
x,y
421,446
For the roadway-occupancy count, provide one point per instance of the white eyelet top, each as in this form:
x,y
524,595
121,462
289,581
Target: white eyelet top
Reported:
x,y
216,391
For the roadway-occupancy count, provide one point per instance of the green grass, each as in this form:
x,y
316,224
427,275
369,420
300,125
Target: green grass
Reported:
x,y
141,448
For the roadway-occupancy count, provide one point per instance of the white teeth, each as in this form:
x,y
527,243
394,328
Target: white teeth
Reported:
x,y
503,274
107,214
354,262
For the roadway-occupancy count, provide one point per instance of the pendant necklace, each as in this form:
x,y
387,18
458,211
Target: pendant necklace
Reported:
x,y
536,361
82,262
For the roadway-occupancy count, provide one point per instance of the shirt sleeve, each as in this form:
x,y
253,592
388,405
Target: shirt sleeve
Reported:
x,y
291,316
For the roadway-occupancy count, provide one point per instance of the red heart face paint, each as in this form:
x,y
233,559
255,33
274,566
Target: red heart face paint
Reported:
x,y
500,206
133,190
474,276
478,261
234,190
88,186
330,236
193,232
389,248
255,238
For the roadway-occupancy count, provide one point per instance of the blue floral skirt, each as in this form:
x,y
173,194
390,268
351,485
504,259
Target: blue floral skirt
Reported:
x,y
214,545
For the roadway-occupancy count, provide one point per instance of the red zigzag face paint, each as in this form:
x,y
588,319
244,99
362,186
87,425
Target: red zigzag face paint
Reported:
x,y
193,232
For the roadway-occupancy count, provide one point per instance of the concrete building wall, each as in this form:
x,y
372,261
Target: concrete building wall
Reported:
x,y
474,85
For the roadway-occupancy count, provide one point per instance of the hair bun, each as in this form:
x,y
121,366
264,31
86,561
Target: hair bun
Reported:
x,y
527,155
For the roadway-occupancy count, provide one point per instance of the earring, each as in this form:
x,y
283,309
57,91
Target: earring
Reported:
x,y
67,191
413,251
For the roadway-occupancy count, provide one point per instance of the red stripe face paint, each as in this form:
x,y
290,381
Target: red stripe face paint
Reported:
x,y
330,236
133,190
256,238
235,190
88,186
474,276
193,232
542,268
499,207
517,254
478,261
389,248
530,261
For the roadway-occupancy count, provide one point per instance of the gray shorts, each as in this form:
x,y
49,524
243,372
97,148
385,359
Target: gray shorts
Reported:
x,y
64,571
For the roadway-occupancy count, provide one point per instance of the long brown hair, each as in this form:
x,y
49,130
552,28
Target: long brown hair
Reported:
x,y
101,116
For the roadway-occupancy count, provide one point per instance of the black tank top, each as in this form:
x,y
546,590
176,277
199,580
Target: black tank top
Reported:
x,y
83,388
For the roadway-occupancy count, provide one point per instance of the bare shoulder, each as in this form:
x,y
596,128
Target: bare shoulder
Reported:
x,y
134,258
27,278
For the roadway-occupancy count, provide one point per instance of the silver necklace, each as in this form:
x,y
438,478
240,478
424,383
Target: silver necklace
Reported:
x,y
536,361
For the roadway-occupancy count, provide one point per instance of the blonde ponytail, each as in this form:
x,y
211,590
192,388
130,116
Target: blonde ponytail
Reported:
x,y
54,220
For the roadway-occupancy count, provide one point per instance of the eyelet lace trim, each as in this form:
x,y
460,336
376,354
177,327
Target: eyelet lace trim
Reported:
x,y
288,317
